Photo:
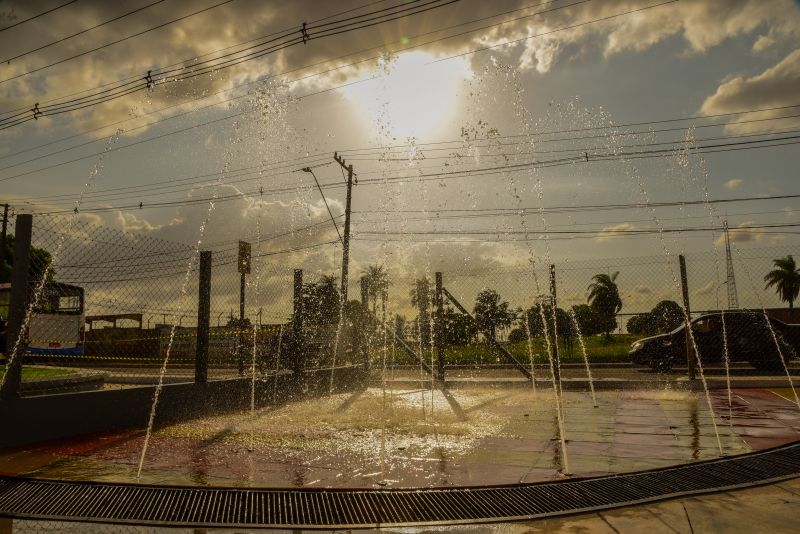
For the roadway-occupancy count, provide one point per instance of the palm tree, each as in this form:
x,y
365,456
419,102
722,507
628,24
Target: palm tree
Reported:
x,y
377,284
604,299
785,278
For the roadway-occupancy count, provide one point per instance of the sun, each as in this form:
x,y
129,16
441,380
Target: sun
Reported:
x,y
410,95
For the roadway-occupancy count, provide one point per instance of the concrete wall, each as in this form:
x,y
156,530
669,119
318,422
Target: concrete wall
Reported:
x,y
35,419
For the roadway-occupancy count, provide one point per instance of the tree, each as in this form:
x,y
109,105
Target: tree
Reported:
x,y
377,280
666,316
321,301
421,295
491,313
587,320
785,278
641,325
533,316
458,328
40,260
604,299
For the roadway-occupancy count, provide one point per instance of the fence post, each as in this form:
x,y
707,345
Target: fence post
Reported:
x,y
298,362
18,307
685,290
438,329
203,319
556,360
364,331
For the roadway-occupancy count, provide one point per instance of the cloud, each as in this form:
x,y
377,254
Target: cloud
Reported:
x,y
701,25
609,232
775,87
734,183
743,234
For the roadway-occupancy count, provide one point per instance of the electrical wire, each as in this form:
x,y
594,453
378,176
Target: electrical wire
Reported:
x,y
65,4
87,52
9,60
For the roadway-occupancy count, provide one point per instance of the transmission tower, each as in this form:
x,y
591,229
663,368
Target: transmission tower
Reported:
x,y
733,299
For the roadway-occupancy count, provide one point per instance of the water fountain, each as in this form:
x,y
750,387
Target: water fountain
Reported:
x,y
403,445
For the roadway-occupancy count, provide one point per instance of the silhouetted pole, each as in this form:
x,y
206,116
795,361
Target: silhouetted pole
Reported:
x,y
439,328
18,306
244,269
556,361
3,237
346,237
365,306
203,318
298,362
687,311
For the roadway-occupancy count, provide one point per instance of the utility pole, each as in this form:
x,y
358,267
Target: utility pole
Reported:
x,y
554,301
3,237
690,363
244,269
346,238
733,297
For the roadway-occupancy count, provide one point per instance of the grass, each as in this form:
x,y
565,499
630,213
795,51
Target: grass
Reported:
x,y
38,373
598,349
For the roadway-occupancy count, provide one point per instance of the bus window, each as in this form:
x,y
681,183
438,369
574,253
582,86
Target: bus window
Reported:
x,y
69,304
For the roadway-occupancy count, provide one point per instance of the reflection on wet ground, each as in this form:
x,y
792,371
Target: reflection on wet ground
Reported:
x,y
467,436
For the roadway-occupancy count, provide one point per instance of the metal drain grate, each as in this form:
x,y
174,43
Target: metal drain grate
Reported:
x,y
310,508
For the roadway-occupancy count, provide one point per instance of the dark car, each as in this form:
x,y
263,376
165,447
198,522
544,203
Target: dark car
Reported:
x,y
749,336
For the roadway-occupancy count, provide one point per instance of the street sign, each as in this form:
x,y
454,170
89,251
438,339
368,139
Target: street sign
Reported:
x,y
244,257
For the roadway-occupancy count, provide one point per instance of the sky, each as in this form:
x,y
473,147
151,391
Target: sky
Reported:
x,y
484,135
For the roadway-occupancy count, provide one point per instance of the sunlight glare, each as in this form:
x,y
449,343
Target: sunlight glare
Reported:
x,y
414,98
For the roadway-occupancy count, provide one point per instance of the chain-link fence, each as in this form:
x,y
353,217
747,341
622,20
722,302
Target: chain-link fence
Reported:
x,y
603,307
109,308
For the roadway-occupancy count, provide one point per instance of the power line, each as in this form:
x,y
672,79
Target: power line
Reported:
x,y
112,43
25,109
152,78
502,169
160,181
9,60
183,62
602,233
65,4
151,190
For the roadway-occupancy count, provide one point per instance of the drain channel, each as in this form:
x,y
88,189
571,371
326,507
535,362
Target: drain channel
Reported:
x,y
321,508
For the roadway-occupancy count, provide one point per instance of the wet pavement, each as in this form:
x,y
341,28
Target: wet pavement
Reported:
x,y
418,438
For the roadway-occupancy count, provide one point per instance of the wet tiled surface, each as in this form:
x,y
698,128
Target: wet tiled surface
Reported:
x,y
419,438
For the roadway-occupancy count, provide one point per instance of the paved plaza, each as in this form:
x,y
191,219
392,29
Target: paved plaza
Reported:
x,y
422,438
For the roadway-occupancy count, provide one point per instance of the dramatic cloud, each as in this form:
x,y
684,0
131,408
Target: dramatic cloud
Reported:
x,y
541,35
774,88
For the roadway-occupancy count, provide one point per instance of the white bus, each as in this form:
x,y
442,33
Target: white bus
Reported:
x,y
56,325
